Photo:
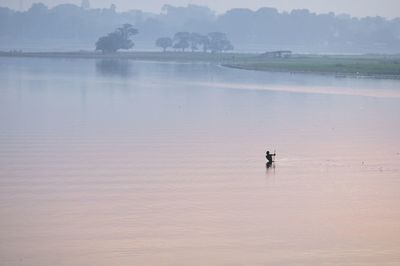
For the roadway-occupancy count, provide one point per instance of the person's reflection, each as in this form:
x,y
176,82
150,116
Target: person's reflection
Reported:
x,y
270,168
113,67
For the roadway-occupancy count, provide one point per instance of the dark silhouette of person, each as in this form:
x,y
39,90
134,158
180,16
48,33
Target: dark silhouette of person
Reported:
x,y
269,158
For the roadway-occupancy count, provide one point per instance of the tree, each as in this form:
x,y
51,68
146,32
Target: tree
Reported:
x,y
113,8
38,9
227,46
195,40
164,43
219,42
119,39
205,43
181,40
85,4
127,31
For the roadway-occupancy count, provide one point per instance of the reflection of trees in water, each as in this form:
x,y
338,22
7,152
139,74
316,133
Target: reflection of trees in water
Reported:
x,y
113,67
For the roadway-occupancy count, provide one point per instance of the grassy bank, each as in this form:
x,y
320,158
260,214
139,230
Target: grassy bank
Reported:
x,y
377,66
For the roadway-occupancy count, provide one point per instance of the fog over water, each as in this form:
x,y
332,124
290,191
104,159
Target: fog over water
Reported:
x,y
143,163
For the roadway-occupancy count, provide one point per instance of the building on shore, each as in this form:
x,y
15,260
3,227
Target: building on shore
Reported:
x,y
277,54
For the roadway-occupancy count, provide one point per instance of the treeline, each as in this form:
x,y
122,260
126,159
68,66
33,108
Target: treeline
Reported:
x,y
120,38
298,30
215,42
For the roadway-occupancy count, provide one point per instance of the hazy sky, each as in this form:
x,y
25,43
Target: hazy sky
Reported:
x,y
386,8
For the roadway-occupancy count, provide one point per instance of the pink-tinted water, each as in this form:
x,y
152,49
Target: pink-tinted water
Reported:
x,y
122,163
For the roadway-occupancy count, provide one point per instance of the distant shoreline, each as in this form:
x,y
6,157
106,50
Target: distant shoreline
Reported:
x,y
359,66
338,74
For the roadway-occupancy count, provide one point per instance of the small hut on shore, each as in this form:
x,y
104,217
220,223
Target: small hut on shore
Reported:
x,y
277,54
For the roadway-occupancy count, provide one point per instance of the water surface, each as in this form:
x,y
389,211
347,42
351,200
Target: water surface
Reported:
x,y
145,163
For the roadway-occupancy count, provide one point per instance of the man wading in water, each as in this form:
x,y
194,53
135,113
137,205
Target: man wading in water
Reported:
x,y
269,158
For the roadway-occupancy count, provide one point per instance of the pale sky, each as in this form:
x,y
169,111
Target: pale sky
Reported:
x,y
358,8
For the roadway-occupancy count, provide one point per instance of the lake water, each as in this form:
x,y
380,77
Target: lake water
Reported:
x,y
145,163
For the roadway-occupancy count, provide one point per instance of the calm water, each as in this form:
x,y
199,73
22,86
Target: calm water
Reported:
x,y
140,163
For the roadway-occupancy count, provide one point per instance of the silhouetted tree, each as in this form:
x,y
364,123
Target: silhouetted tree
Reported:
x,y
205,43
219,42
127,30
119,39
181,40
85,4
227,46
164,43
113,8
38,9
195,40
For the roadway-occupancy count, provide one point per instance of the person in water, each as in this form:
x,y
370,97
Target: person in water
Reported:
x,y
269,157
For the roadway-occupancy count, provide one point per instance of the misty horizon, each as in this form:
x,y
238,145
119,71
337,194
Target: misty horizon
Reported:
x,y
386,8
300,31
